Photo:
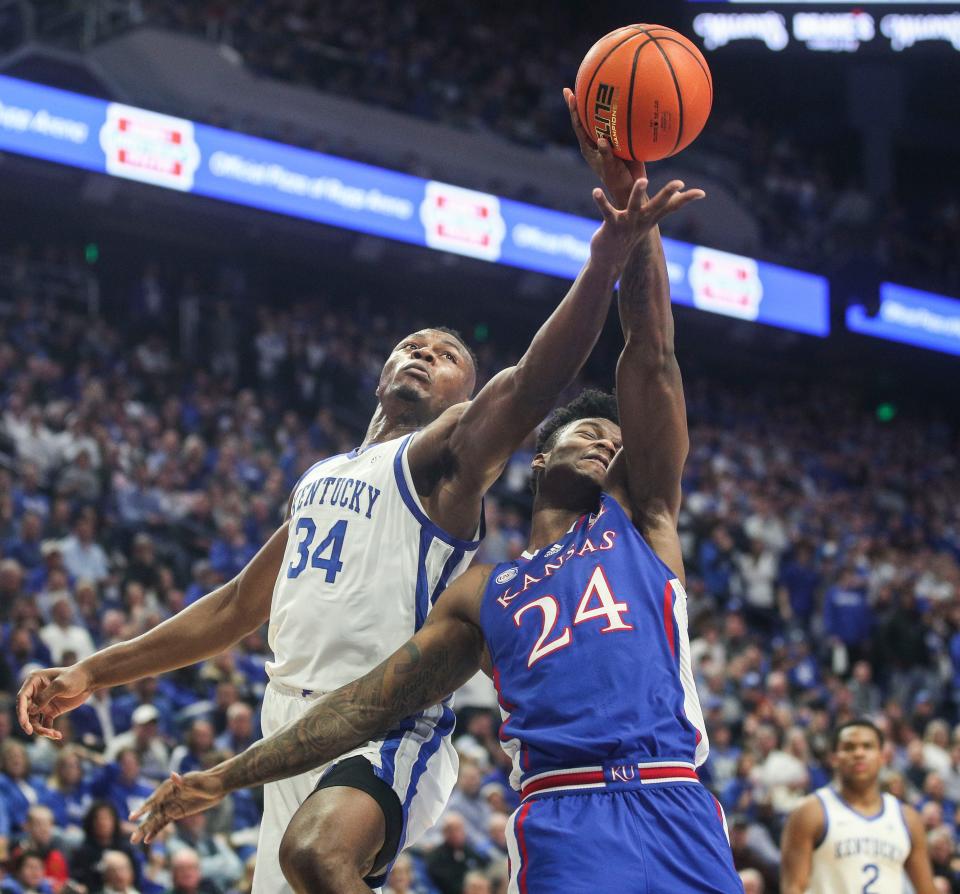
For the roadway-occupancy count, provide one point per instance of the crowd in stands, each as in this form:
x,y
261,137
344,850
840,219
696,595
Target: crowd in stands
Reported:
x,y
502,74
138,473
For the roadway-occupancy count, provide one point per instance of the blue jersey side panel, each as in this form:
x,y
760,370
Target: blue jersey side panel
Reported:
x,y
610,686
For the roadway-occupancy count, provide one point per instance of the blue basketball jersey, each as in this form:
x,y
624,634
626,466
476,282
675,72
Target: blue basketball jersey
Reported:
x,y
590,652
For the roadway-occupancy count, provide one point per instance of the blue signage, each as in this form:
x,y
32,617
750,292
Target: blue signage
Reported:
x,y
175,153
912,317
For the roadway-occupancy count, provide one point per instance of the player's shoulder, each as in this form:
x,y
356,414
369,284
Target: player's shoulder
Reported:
x,y
811,813
911,816
465,595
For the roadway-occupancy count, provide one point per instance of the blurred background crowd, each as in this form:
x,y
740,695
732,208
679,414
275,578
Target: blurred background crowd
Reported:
x,y
822,549
166,377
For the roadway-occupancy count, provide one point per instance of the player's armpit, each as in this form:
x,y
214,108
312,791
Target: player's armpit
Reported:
x,y
803,829
917,865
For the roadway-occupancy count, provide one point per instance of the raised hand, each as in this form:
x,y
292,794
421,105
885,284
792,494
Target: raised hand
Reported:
x,y
617,175
622,230
176,798
48,693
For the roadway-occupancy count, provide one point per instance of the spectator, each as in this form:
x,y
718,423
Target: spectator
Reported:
x,y
476,883
239,734
39,839
27,876
62,635
752,881
68,794
758,574
219,865
117,872
190,756
449,863
18,790
469,804
121,784
401,880
187,875
144,740
102,833
82,555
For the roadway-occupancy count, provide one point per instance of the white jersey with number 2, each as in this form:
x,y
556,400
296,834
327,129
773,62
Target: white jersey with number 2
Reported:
x,y
860,854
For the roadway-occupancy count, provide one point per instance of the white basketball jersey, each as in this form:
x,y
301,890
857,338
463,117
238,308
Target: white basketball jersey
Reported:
x,y
858,854
363,566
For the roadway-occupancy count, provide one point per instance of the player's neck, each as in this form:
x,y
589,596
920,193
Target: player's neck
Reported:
x,y
385,426
549,524
866,799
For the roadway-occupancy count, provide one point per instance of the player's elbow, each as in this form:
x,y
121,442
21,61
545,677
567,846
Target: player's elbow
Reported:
x,y
652,354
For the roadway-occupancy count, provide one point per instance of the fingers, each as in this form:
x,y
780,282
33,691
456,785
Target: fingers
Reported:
x,y
587,146
24,696
638,195
607,211
42,698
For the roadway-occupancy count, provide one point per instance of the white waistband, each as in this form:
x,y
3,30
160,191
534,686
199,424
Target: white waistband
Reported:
x,y
283,689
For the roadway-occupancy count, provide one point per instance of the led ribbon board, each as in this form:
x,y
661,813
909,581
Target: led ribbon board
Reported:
x,y
911,317
174,153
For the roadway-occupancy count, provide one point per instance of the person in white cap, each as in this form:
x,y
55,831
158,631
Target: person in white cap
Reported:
x,y
144,738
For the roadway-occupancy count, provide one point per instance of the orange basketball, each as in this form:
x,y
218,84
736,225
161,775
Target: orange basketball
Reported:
x,y
647,89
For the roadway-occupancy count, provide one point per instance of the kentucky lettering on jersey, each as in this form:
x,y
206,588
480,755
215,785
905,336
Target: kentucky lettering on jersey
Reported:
x,y
362,567
591,658
346,493
859,853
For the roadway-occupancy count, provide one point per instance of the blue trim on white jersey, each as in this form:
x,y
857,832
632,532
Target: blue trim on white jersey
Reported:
x,y
826,820
390,746
413,504
314,466
869,819
456,557
422,593
443,728
903,819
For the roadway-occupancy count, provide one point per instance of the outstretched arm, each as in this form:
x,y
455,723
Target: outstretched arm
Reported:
x,y
443,655
205,629
516,400
653,418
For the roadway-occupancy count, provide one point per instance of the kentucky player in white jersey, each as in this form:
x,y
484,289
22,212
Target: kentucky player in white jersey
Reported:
x,y
372,539
852,838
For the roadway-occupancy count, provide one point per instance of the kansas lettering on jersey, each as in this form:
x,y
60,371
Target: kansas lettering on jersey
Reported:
x,y
859,853
362,567
590,653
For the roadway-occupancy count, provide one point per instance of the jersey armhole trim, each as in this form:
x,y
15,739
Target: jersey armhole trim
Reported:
x,y
408,494
826,822
906,825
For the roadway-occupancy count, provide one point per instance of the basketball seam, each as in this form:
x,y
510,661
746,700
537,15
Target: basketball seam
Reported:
x,y
633,76
686,49
600,64
676,86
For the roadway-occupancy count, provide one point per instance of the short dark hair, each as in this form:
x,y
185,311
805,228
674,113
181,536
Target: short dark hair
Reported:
x,y
463,342
860,721
592,403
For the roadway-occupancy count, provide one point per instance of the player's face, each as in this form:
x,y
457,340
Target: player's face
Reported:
x,y
428,367
581,456
858,757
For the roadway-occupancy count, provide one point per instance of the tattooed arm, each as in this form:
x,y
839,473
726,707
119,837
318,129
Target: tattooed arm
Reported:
x,y
443,655
645,476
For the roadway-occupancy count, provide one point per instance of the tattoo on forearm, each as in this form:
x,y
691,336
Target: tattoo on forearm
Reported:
x,y
353,714
635,281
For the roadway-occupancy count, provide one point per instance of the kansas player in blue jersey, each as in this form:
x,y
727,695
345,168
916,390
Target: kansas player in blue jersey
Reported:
x,y
585,637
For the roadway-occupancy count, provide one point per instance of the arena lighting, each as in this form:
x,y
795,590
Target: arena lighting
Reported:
x,y
912,317
173,153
